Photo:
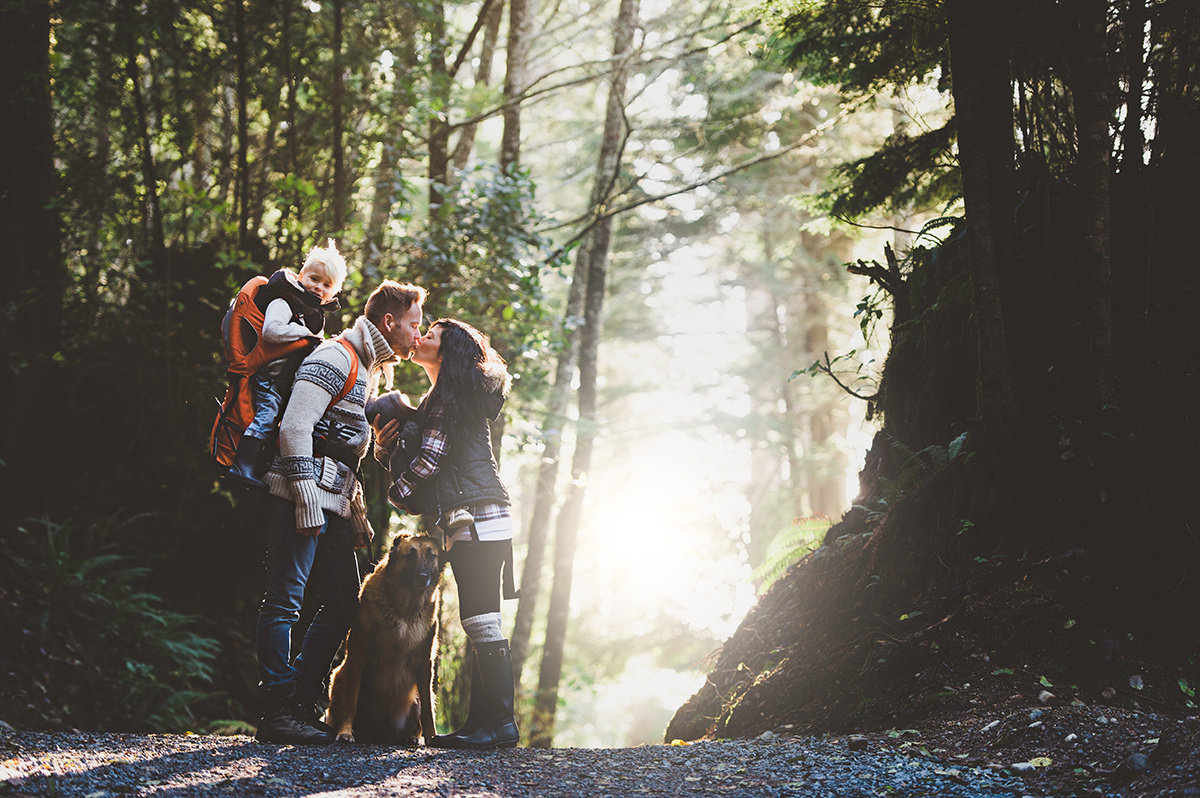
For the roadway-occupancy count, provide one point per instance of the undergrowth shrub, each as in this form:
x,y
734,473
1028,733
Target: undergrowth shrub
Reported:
x,y
84,645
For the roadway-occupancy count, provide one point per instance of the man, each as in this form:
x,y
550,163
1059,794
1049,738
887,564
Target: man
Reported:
x,y
316,516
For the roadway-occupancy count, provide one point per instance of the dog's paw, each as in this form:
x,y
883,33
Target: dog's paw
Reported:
x,y
345,737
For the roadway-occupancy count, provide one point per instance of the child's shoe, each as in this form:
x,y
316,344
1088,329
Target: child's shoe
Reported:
x,y
245,461
458,518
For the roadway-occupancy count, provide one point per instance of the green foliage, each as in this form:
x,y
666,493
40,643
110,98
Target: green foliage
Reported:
x,y
107,653
863,47
905,172
789,548
484,261
918,465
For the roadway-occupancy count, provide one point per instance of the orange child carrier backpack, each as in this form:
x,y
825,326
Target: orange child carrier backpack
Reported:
x,y
246,353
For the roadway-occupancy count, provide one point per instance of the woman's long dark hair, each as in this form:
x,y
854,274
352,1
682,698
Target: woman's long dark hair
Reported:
x,y
460,386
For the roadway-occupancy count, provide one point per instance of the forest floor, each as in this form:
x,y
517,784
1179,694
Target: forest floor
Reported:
x,y
994,664
1005,747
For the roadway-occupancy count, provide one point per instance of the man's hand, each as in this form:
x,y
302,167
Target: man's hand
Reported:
x,y
310,532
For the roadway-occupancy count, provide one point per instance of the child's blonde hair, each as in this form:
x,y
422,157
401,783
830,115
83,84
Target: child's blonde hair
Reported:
x,y
327,261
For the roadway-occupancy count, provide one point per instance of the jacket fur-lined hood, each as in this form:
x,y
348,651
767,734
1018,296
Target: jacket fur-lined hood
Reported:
x,y
496,378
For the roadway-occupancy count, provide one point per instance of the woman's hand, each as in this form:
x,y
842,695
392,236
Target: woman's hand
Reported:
x,y
387,435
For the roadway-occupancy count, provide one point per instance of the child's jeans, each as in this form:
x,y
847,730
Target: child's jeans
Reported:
x,y
268,401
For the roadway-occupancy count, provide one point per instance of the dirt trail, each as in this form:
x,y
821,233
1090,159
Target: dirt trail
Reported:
x,y
96,765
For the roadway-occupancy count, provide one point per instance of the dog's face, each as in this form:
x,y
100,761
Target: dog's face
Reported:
x,y
415,562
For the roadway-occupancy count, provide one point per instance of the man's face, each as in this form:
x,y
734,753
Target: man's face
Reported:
x,y
402,333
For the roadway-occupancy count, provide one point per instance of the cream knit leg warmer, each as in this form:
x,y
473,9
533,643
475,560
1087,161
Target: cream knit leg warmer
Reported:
x,y
483,628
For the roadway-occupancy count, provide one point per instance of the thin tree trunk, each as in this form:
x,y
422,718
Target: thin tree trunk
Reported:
x,y
1132,135
823,461
1133,174
387,173
439,130
33,267
152,223
766,494
291,156
979,72
483,76
340,199
1089,87
241,195
567,530
521,15
547,480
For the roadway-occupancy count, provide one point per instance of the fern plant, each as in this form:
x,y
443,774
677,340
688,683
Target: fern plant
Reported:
x,y
788,548
88,646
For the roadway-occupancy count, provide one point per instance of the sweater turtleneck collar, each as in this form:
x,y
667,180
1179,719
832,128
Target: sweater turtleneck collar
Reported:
x,y
376,353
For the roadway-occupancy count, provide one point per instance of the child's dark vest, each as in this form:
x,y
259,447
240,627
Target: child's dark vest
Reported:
x,y
246,352
241,329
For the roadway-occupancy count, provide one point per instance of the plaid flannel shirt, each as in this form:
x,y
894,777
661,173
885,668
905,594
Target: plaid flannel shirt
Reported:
x,y
428,462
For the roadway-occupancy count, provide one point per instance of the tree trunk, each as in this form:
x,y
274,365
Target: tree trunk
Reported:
x,y
521,15
152,223
567,530
547,480
983,106
824,463
340,198
291,157
1089,88
439,131
1132,135
387,179
241,195
33,267
483,76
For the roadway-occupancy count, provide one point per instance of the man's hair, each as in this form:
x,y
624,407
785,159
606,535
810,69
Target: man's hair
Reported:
x,y
392,297
328,262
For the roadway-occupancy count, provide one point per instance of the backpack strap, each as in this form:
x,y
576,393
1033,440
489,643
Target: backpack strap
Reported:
x,y
353,378
353,465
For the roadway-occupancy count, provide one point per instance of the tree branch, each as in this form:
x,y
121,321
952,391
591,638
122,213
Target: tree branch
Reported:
x,y
465,50
827,368
599,214
611,62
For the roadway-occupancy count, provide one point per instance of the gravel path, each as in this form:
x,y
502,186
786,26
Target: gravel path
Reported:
x,y
99,765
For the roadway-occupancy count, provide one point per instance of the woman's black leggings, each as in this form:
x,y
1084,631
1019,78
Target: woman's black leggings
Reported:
x,y
476,566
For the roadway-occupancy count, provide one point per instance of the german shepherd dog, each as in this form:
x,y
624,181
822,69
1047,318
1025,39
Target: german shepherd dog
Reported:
x,y
382,692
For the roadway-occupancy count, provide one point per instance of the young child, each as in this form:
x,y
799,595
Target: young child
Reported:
x,y
394,405
295,307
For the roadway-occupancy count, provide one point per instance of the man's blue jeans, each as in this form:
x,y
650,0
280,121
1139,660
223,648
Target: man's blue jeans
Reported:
x,y
327,567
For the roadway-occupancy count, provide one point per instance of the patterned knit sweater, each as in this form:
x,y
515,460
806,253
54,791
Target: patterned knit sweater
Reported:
x,y
316,483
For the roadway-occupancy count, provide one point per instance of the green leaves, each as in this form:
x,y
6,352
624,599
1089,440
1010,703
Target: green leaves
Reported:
x,y
109,652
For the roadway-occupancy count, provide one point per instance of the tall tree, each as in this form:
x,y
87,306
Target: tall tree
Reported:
x,y
596,248
491,14
338,100
242,90
1089,76
33,266
553,426
979,52
522,15
152,220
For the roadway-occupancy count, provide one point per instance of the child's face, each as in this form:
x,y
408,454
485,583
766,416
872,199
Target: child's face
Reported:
x,y
315,282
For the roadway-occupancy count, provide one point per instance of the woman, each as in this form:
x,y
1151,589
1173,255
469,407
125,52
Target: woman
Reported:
x,y
453,466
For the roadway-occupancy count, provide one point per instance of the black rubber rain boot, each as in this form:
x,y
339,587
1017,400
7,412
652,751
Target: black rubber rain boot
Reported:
x,y
245,462
498,726
474,710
